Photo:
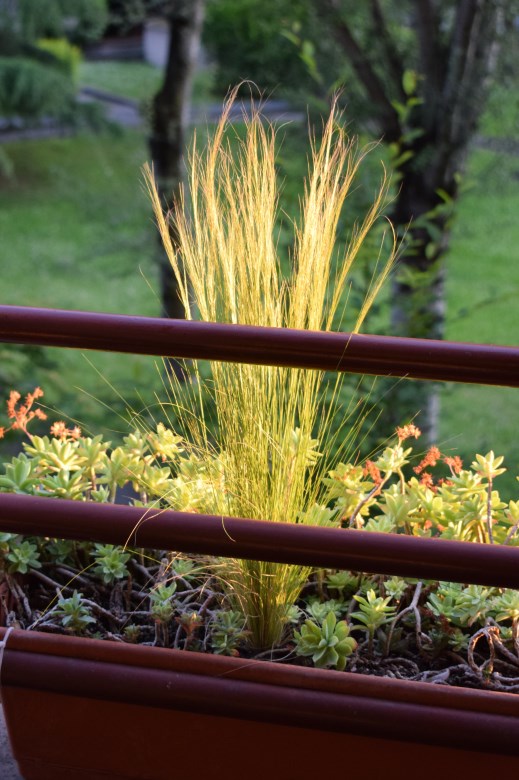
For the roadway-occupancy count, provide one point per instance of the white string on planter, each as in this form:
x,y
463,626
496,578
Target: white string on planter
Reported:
x,y
3,645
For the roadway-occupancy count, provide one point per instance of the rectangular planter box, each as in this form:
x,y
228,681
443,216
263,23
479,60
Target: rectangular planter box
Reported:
x,y
87,709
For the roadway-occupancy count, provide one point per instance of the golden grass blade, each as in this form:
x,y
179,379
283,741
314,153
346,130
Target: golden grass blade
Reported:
x,y
268,418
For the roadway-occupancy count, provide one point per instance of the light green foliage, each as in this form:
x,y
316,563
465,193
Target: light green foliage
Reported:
x,y
328,643
374,612
23,556
464,505
488,466
19,476
161,606
165,444
506,605
66,54
393,459
294,615
472,604
347,484
6,540
160,465
395,588
228,632
73,614
462,606
154,463
380,525
167,472
343,581
110,562
319,610
397,506
65,485
183,567
320,515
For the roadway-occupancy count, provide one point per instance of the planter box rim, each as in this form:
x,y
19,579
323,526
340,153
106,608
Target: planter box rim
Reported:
x,y
212,665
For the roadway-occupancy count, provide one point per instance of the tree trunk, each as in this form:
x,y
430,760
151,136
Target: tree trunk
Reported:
x,y
418,288
169,123
430,133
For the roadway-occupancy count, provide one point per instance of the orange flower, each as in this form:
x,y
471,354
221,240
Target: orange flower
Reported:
x,y
370,469
427,480
407,431
454,463
60,431
14,397
24,414
431,458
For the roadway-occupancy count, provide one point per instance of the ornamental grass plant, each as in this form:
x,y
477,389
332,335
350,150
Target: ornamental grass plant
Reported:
x,y
268,419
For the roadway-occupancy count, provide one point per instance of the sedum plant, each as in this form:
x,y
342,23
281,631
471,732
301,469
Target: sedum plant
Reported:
x,y
228,632
373,612
73,614
328,643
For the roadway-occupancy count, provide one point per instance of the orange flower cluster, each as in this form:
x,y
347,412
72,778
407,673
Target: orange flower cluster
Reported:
x,y
22,414
407,431
60,431
427,480
373,471
432,456
454,463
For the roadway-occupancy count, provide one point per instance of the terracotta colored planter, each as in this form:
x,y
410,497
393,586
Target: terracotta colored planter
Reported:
x,y
79,708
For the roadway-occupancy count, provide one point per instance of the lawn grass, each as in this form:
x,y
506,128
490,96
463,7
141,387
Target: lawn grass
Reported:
x,y
137,80
501,118
77,233
482,290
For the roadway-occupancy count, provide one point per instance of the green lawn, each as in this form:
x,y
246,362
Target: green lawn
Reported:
x,y
77,233
482,293
137,80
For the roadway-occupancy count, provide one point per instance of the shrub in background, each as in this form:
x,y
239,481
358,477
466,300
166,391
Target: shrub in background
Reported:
x,y
66,54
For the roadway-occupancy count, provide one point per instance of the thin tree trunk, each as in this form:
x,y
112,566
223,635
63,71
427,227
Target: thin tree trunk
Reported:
x,y
169,123
418,290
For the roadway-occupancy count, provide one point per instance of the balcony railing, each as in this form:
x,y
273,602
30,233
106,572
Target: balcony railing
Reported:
x,y
257,539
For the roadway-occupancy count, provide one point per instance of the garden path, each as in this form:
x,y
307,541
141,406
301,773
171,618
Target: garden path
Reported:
x,y
128,113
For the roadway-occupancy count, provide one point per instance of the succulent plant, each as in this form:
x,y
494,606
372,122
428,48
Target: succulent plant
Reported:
x,y
329,644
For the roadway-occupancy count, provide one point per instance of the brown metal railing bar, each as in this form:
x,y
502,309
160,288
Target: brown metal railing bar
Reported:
x,y
364,354
406,556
